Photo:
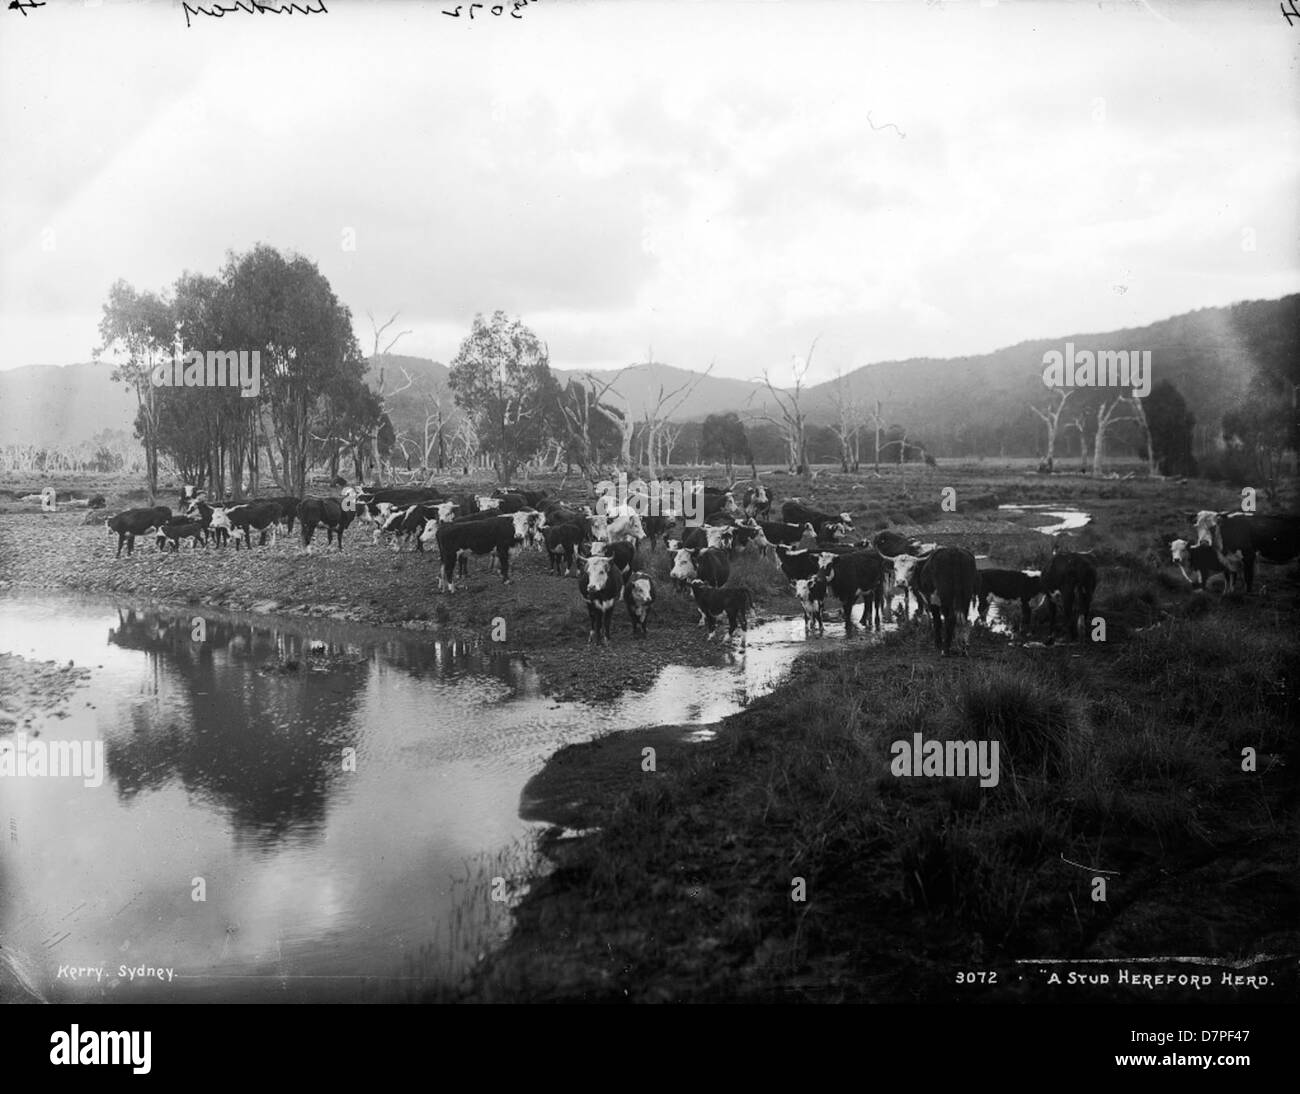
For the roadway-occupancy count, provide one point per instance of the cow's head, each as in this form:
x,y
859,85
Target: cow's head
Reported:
x,y
826,565
487,504
905,570
811,591
719,536
836,529
599,568
683,565
429,533
642,590
220,519
523,526
1182,556
1205,522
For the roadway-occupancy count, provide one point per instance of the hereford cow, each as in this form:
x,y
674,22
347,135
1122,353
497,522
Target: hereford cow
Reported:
x,y
758,502
1199,563
859,575
259,516
1239,537
179,528
639,595
600,585
481,537
811,592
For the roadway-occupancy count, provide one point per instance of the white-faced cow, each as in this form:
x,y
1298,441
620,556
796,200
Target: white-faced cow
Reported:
x,y
481,537
1239,537
1199,563
859,575
758,502
600,585
639,595
811,592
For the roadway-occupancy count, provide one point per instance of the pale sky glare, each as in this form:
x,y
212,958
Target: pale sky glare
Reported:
x,y
700,178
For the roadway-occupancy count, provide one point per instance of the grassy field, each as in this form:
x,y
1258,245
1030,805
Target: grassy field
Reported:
x,y
1120,760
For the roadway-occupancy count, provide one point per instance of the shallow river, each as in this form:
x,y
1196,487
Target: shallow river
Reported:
x,y
234,843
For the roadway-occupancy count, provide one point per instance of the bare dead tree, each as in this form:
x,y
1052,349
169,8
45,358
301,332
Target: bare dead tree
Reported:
x,y
665,406
1052,416
384,394
791,421
1106,417
849,420
622,416
1140,416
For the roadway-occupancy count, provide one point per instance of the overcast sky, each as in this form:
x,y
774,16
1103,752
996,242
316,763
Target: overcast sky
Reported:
x,y
700,178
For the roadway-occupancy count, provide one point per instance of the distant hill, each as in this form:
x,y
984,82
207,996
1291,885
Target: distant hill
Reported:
x,y
60,406
958,406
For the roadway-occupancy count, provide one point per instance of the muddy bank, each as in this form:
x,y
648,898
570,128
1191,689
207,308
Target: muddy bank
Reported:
x,y
539,615
28,688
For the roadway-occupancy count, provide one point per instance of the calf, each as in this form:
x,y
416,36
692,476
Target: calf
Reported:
x,y
949,582
638,595
1010,585
481,537
327,511
713,603
1240,537
811,592
600,585
136,522
179,528
1072,578
1199,563
859,575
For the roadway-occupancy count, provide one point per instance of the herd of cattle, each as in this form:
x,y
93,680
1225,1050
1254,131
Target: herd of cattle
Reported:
x,y
816,551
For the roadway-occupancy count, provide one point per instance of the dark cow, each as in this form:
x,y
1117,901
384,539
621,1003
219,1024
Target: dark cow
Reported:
x,y
251,516
795,512
600,585
1239,537
811,592
892,543
853,577
480,537
562,542
778,533
1199,563
713,500
720,537
533,499
758,502
1010,585
714,603
179,528
657,526
639,595
509,502
136,522
948,581
326,511
288,510
1073,578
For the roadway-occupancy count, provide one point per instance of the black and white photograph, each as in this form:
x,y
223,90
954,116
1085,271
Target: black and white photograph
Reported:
x,y
639,501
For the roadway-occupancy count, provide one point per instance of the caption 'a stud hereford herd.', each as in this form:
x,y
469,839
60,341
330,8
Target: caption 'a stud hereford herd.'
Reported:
x,y
816,551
